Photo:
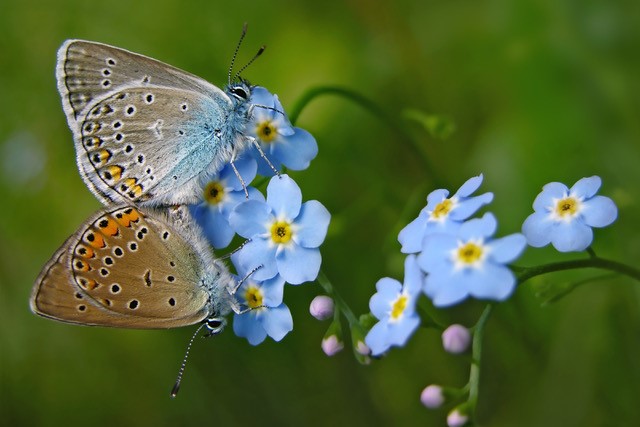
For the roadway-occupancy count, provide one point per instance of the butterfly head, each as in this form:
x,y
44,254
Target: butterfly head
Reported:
x,y
239,91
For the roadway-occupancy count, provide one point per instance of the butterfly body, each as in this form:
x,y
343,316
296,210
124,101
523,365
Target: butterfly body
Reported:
x,y
134,268
144,131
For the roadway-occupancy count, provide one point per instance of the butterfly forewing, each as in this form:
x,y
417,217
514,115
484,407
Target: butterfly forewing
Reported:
x,y
124,268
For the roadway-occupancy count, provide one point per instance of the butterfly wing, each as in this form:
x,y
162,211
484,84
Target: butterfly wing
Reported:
x,y
125,268
144,131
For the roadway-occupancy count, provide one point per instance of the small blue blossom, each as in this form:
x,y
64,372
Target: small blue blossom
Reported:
x,y
442,214
220,195
394,306
282,143
267,314
564,217
285,234
470,263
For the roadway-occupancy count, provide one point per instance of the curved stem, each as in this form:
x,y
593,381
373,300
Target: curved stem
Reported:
x,y
340,303
594,261
476,349
396,125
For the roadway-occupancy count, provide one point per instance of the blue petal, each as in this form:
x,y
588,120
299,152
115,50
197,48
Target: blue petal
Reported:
x,y
468,207
217,229
410,237
435,197
247,168
471,185
494,282
508,248
387,290
478,227
313,222
599,211
263,167
544,200
272,291
234,198
399,333
261,96
435,254
256,253
376,339
445,290
249,218
284,196
247,326
298,265
296,151
538,229
277,322
572,237
412,276
587,187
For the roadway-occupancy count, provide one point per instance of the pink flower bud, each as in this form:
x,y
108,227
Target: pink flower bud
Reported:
x,y
456,339
432,396
456,418
331,345
363,349
321,307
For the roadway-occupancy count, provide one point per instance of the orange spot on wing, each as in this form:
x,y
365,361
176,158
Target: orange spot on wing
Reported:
x,y
111,228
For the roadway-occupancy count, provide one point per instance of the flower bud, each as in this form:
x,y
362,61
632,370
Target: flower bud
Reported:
x,y
432,396
321,307
456,418
456,339
331,345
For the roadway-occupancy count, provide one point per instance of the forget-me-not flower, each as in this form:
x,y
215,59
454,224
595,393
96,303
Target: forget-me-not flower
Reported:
x,y
285,234
564,217
394,306
221,194
470,263
282,143
442,214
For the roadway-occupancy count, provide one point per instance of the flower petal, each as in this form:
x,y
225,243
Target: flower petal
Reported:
x,y
444,290
572,237
313,222
412,276
376,339
544,200
471,185
410,237
284,196
257,253
599,211
296,151
246,326
247,168
538,229
387,290
277,322
508,248
495,282
586,187
468,207
399,333
217,229
298,265
479,227
249,218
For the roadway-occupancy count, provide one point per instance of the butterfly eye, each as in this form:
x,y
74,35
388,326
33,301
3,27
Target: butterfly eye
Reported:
x,y
215,325
239,92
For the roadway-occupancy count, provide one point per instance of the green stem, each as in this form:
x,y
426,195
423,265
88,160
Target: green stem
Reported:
x,y
396,125
594,261
476,350
340,303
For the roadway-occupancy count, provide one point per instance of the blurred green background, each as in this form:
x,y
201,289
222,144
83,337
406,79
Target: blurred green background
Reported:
x,y
539,91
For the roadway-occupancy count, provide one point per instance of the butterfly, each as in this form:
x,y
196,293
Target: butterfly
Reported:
x,y
144,131
133,267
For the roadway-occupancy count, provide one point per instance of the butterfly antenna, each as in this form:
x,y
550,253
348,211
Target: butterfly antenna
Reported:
x,y
233,60
262,48
176,386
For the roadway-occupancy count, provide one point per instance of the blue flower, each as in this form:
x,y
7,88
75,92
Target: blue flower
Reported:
x,y
282,143
470,263
442,214
394,305
285,234
267,314
564,217
221,194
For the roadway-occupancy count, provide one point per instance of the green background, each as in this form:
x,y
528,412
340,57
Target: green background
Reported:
x,y
539,91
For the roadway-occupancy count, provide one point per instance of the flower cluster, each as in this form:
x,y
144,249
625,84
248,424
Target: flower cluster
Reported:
x,y
283,233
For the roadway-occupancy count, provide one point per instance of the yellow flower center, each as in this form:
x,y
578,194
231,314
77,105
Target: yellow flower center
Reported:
x,y
398,307
213,193
266,131
253,297
281,232
469,253
567,207
442,209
